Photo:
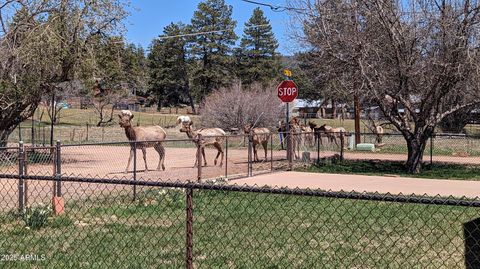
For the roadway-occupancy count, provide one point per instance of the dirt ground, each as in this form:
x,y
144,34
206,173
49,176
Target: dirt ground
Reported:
x,y
110,162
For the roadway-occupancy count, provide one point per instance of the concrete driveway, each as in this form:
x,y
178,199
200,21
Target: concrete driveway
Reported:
x,y
381,184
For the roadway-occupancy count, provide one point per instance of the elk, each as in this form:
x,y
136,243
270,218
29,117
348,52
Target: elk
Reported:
x,y
259,136
295,132
205,137
332,133
308,135
151,136
183,119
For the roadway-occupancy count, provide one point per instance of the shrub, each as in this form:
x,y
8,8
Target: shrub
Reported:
x,y
36,217
234,107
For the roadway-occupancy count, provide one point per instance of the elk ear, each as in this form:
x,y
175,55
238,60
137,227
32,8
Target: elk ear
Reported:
x,y
120,116
131,117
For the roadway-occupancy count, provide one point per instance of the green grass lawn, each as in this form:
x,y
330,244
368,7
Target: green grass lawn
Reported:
x,y
242,230
80,117
437,171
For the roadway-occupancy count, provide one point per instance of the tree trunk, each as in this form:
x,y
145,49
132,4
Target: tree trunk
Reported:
x,y
159,104
190,99
4,134
416,147
334,109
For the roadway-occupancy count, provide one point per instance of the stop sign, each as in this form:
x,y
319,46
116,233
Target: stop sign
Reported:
x,y
287,91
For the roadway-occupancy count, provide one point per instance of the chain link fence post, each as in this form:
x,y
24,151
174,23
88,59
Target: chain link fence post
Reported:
x,y
250,153
86,138
58,202
21,185
342,146
226,157
432,137
134,169
189,228
271,152
290,150
317,135
199,157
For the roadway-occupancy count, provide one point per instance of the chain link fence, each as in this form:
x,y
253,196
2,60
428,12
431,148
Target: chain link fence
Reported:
x,y
443,148
99,223
241,155
75,206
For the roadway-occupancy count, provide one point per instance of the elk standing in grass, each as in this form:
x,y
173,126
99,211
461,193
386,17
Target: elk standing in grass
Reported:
x,y
317,133
259,136
151,136
332,133
205,137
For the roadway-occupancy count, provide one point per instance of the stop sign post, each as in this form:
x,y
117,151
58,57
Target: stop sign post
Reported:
x,y
287,91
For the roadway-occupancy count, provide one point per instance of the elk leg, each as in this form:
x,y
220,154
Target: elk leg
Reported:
x,y
196,158
334,139
144,152
255,155
219,151
162,148
129,159
297,149
161,156
265,145
203,155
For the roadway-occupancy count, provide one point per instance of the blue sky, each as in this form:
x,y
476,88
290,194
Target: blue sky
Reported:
x,y
149,17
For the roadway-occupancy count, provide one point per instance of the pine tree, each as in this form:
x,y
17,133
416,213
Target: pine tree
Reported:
x,y
109,71
212,52
257,59
167,62
135,67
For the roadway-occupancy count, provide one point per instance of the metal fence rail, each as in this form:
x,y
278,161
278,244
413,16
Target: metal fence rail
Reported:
x,y
203,225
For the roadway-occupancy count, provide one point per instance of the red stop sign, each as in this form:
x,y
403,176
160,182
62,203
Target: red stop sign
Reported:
x,y
287,91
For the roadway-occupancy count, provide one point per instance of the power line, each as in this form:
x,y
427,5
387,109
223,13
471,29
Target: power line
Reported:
x,y
194,34
208,32
276,8
272,7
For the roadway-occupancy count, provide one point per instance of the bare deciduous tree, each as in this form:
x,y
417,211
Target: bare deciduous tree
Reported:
x,y
235,107
417,60
104,104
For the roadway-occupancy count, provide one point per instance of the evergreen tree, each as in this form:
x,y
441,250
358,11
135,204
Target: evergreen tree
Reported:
x,y
135,67
212,51
257,59
167,62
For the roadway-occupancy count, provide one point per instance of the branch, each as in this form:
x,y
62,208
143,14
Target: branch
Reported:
x,y
454,109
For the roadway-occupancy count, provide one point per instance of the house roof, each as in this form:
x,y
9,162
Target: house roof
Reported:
x,y
307,103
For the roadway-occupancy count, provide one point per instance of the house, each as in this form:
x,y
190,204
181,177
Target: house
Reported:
x,y
303,108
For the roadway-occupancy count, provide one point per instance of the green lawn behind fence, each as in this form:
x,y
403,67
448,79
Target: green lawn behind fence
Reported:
x,y
242,230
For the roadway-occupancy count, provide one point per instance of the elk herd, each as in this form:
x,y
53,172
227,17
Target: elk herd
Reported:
x,y
154,136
